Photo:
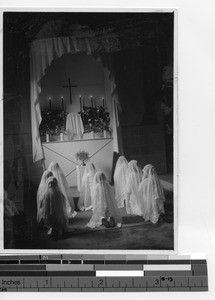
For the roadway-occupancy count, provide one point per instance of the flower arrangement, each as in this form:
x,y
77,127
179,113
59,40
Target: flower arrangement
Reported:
x,y
82,156
53,122
95,119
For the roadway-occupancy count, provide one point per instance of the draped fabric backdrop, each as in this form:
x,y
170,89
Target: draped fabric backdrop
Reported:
x,y
43,52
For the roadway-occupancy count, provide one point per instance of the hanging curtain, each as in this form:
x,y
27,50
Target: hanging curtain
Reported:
x,y
42,53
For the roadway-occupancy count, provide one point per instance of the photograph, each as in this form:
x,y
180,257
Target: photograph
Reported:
x,y
89,130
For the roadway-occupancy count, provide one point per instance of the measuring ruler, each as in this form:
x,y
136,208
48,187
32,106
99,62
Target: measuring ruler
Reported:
x,y
102,273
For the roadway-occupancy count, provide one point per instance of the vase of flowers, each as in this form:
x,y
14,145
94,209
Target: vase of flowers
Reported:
x,y
82,156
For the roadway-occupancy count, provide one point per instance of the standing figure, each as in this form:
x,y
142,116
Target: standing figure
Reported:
x,y
40,193
85,202
152,195
105,210
64,187
120,179
133,203
54,206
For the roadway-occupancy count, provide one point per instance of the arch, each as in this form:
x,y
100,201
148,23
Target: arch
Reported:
x,y
42,53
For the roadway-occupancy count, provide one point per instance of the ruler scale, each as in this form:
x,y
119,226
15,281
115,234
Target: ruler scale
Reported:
x,y
108,273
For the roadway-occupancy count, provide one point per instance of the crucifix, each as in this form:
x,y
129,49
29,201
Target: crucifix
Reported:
x,y
70,89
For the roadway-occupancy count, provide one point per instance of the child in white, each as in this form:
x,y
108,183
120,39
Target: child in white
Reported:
x,y
152,195
133,203
40,193
64,187
85,202
103,202
120,179
54,206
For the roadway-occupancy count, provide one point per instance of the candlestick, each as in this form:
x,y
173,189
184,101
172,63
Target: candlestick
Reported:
x,y
50,103
80,103
91,101
62,103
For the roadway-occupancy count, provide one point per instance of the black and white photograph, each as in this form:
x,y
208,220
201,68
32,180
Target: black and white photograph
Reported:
x,y
89,130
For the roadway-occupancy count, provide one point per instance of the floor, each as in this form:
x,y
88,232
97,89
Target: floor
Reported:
x,y
135,233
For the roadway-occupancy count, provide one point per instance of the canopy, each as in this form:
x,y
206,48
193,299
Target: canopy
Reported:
x,y
43,52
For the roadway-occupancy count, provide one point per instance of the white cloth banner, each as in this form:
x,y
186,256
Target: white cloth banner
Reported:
x,y
42,53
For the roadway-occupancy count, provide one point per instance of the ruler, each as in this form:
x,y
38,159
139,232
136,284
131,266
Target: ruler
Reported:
x,y
102,273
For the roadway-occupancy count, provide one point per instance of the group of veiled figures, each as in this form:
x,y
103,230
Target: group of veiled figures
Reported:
x,y
138,191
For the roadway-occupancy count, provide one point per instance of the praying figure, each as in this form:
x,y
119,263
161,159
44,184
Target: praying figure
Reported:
x,y
64,187
40,193
152,195
54,209
120,179
105,210
133,202
85,202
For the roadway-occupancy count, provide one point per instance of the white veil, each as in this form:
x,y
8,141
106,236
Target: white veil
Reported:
x,y
133,203
103,201
64,187
54,205
40,193
152,194
120,179
85,202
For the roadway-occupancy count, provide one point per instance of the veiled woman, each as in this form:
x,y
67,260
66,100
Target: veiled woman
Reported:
x,y
133,203
54,206
120,179
40,193
152,195
64,187
85,202
105,210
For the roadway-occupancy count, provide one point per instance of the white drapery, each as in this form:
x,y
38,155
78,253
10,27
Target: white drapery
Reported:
x,y
42,53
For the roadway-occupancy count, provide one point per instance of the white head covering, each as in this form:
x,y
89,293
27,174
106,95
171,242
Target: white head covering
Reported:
x,y
64,187
120,179
103,201
85,202
133,203
40,192
54,205
152,194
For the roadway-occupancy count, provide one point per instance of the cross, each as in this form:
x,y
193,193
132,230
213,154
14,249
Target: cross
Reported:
x,y
70,91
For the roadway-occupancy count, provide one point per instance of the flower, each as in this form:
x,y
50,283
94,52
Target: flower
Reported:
x,y
82,156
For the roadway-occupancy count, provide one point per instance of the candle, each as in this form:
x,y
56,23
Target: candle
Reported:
x,y
50,103
80,103
103,102
62,103
91,101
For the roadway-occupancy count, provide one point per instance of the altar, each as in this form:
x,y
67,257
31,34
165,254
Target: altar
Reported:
x,y
63,152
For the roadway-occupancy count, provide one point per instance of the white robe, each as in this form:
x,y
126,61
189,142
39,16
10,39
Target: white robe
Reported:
x,y
74,126
152,195
85,202
64,187
120,179
103,201
40,193
133,202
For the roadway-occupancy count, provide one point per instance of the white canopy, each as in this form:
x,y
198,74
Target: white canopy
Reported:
x,y
42,53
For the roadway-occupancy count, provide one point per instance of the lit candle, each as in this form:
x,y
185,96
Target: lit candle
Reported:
x,y
50,103
62,103
103,102
80,103
91,101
